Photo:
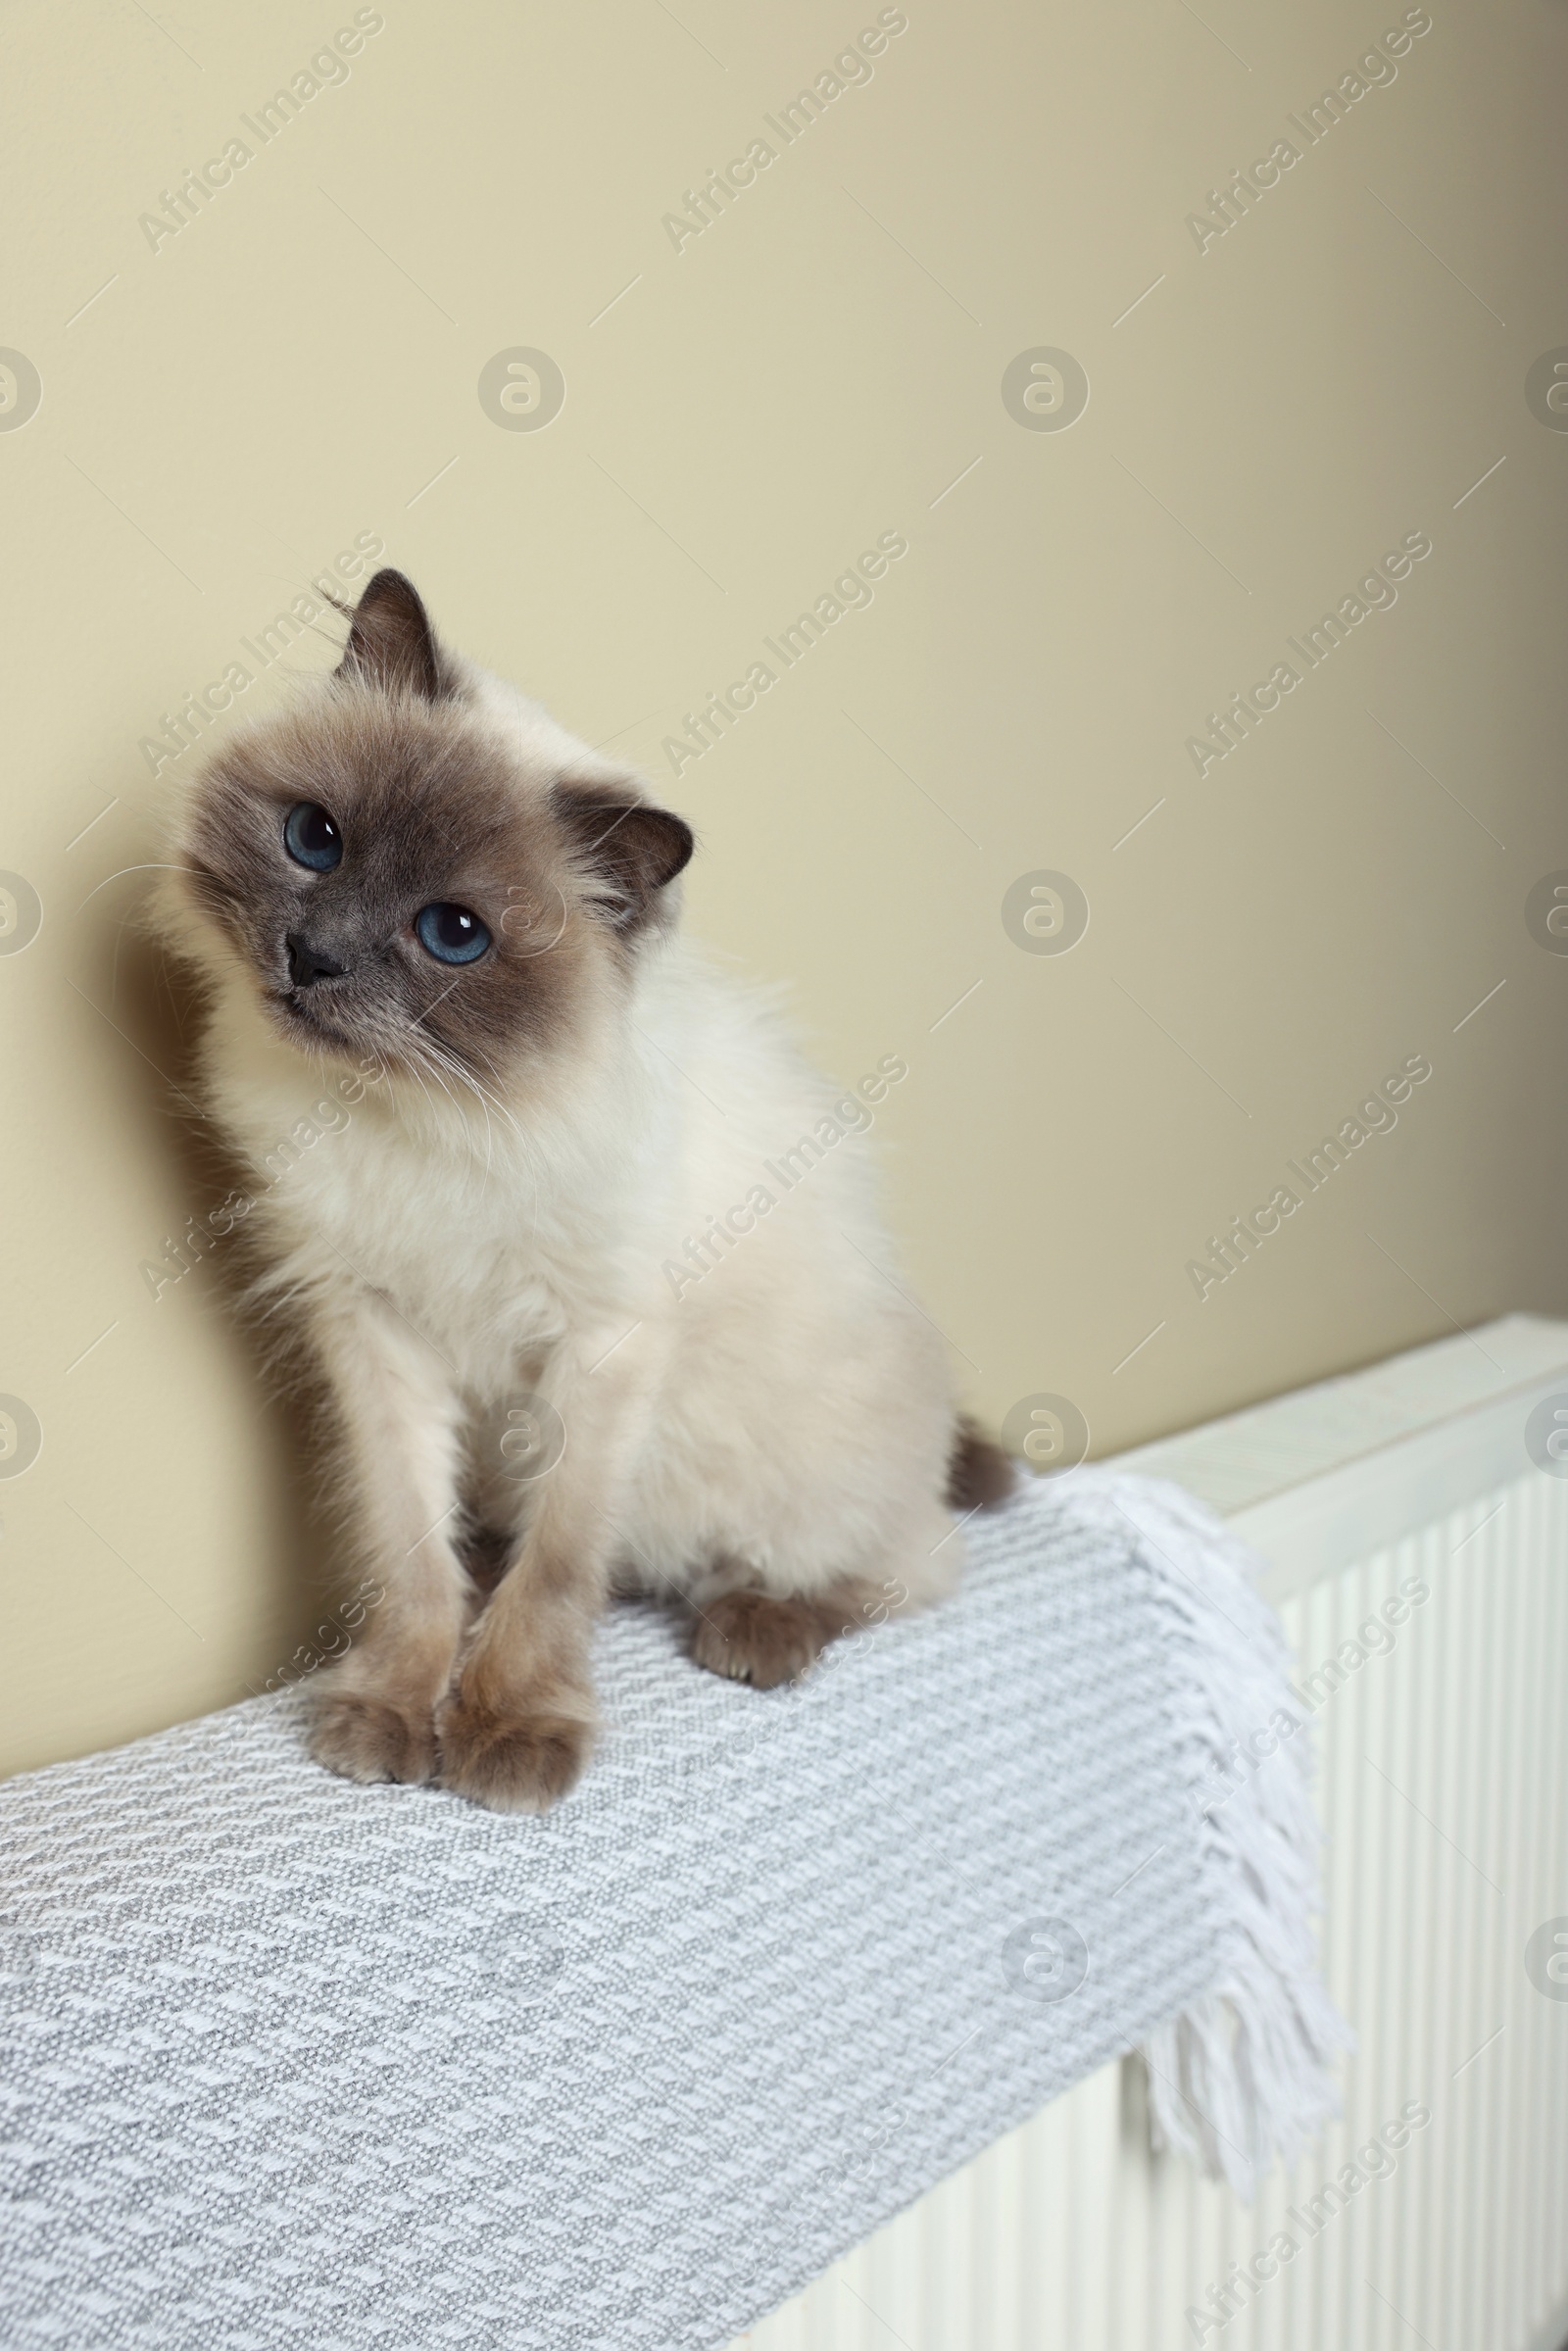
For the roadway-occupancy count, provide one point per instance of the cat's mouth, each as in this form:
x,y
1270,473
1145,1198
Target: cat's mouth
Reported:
x,y
303,1017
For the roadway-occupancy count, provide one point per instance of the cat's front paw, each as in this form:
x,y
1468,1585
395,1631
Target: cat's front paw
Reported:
x,y
366,1738
511,1759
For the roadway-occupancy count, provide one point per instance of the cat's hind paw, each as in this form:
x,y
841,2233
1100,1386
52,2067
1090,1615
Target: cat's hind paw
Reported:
x,y
751,1636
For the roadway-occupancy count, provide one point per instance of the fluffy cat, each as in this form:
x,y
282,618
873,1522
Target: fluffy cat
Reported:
x,y
602,1299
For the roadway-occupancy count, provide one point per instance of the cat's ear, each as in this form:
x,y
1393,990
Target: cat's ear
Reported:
x,y
626,850
391,643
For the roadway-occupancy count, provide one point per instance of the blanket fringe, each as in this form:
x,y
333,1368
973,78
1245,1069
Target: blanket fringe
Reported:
x,y
1241,2076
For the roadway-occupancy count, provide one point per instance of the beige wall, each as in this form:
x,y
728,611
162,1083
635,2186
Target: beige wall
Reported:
x,y
299,364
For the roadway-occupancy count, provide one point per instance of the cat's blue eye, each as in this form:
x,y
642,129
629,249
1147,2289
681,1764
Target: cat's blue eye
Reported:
x,y
451,933
311,838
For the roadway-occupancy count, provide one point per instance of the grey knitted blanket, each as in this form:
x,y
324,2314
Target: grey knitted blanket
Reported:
x,y
289,2062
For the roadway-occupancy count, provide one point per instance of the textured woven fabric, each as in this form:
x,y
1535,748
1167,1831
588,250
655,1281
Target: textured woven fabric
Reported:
x,y
289,2062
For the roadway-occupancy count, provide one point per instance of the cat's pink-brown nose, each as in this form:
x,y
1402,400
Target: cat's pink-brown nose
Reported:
x,y
307,963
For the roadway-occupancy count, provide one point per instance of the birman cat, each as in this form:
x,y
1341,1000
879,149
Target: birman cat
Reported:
x,y
593,1270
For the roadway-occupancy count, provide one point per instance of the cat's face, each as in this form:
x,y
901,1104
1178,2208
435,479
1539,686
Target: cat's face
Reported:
x,y
397,882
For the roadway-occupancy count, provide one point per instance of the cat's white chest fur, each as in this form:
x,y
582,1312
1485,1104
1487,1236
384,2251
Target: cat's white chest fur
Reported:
x,y
466,1224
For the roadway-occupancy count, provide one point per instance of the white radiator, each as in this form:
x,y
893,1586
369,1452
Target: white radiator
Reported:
x,y
1402,1493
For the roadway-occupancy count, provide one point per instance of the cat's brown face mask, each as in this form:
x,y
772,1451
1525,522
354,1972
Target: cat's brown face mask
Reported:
x,y
395,883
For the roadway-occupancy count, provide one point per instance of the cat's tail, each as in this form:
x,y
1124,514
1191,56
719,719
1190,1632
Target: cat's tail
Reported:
x,y
980,1475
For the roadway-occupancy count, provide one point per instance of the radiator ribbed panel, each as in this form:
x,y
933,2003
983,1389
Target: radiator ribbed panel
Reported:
x,y
1444,1794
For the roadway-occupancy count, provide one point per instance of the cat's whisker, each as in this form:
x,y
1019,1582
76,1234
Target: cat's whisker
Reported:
x,y
452,1063
436,1064
441,1060
435,1072
492,1101
418,1076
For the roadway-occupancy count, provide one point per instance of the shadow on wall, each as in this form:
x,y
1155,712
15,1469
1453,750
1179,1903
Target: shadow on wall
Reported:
x,y
207,1264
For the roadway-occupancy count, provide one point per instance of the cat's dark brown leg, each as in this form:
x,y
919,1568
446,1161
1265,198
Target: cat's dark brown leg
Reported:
x,y
516,1731
752,1636
375,1712
519,1726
